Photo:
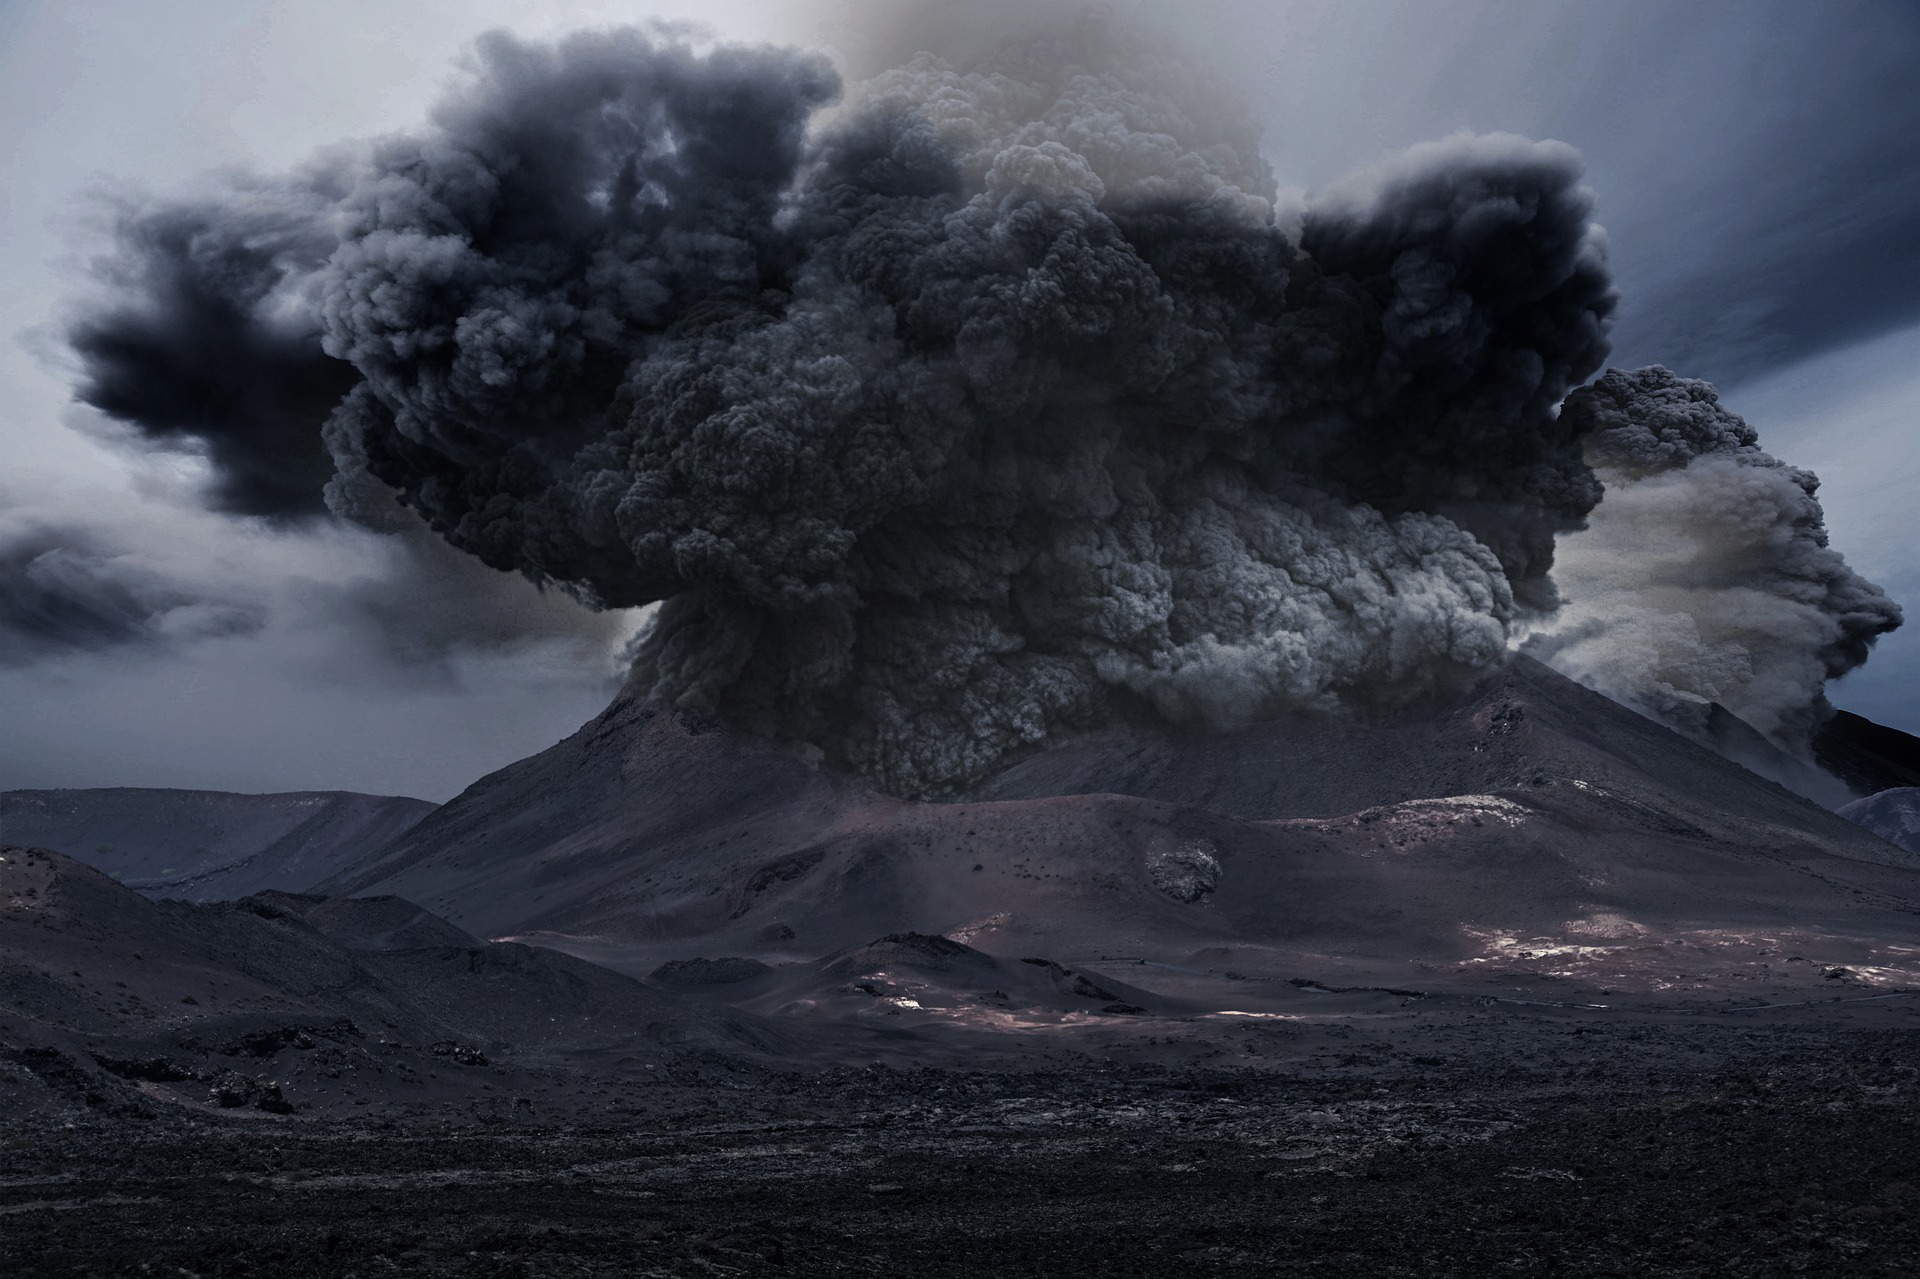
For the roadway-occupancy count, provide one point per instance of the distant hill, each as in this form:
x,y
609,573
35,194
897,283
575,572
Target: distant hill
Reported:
x,y
1893,815
208,845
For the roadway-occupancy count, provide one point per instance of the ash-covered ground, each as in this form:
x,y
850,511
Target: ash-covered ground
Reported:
x,y
359,1089
1507,1139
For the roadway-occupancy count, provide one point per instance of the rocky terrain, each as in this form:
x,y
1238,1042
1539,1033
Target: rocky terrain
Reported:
x,y
1520,985
1532,1146
208,845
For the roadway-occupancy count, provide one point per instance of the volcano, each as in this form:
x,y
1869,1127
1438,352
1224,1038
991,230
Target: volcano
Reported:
x,y
1532,827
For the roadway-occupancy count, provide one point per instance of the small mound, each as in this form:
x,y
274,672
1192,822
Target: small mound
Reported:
x,y
929,944
725,971
918,952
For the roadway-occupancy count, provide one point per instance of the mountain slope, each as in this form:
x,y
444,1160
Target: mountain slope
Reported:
x,y
1531,807
208,845
337,998
565,834
1524,727
1868,757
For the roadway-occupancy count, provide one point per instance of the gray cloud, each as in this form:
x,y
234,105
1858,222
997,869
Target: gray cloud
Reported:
x,y
63,590
1706,575
152,579
1758,160
1801,234
1006,403
422,611
163,645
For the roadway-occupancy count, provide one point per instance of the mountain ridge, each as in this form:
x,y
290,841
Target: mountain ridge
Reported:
x,y
208,845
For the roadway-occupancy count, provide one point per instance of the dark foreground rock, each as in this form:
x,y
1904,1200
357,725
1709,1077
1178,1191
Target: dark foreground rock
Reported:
x,y
1794,1153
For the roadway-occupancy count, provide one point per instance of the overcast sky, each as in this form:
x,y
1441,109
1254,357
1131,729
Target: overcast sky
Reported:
x,y
1758,171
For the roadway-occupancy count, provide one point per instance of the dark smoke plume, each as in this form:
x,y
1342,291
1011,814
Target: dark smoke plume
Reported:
x,y
1001,403
1705,576
215,351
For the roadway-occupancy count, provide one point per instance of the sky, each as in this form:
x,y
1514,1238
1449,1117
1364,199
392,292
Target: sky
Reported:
x,y
1757,167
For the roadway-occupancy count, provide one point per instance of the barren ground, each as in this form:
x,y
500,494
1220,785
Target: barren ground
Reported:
x,y
1713,1145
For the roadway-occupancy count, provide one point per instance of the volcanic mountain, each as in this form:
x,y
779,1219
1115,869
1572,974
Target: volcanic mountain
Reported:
x,y
1530,818
208,845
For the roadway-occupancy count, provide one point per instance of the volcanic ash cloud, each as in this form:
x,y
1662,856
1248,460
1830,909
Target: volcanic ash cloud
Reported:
x,y
992,403
1705,575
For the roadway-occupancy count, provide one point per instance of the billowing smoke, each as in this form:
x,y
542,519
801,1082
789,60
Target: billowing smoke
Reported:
x,y
996,401
1705,576
206,347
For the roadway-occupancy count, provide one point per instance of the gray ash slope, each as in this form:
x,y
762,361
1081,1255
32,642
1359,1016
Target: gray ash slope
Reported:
x,y
1533,808
208,845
